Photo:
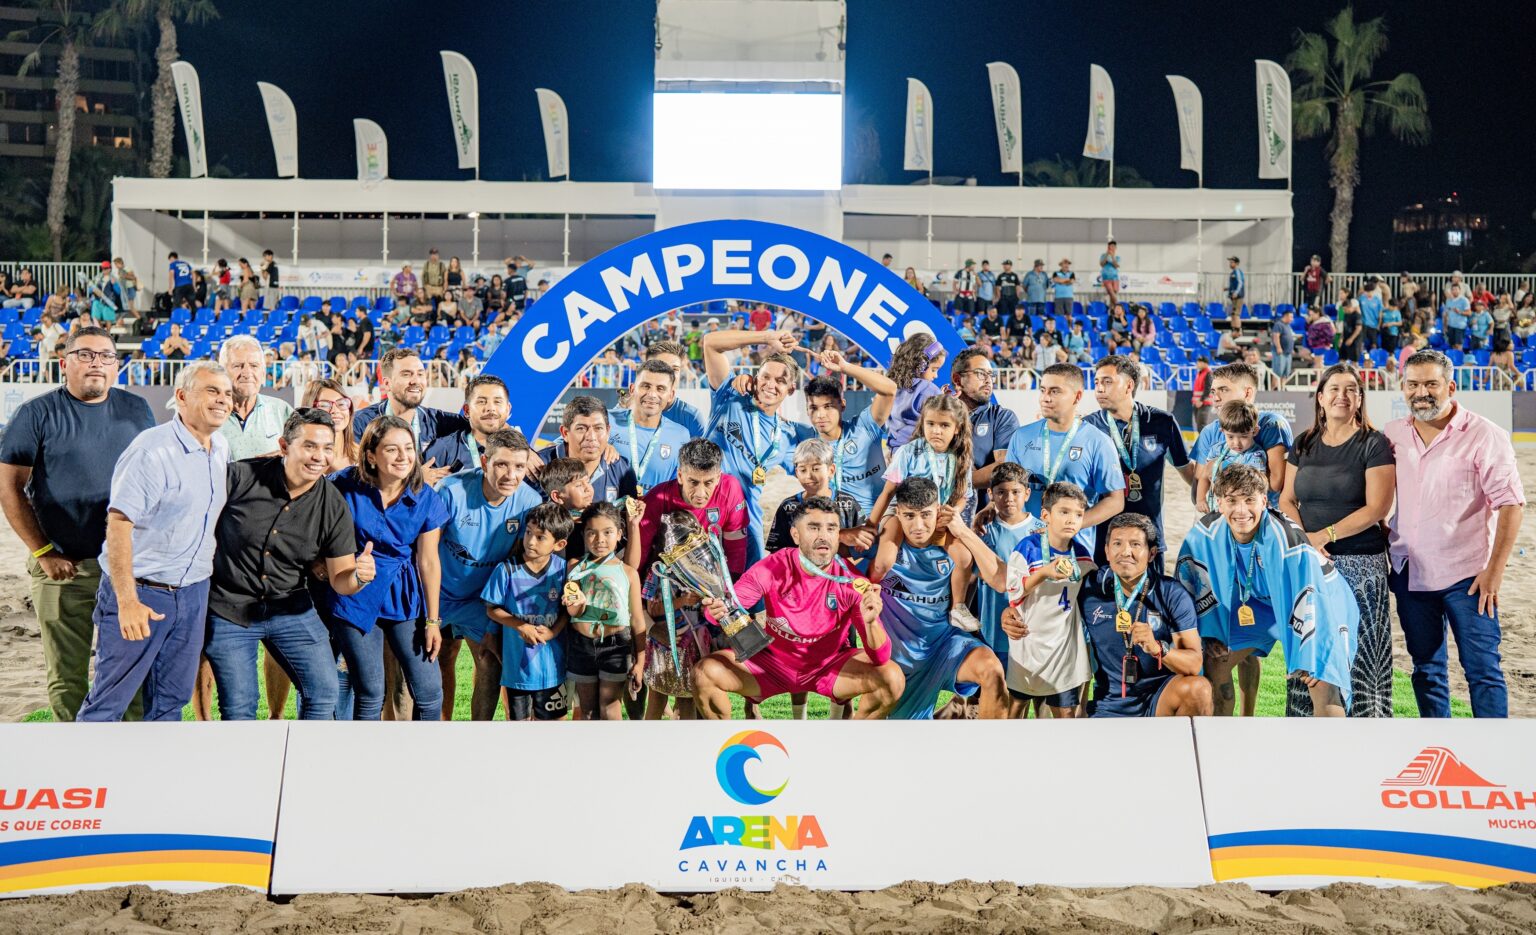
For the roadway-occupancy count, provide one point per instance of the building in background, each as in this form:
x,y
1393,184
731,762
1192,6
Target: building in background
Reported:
x,y
112,85
1435,235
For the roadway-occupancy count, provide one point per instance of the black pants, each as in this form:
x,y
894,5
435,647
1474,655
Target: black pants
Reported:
x,y
1007,305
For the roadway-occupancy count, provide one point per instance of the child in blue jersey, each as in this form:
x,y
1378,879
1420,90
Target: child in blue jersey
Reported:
x,y
1010,525
1239,428
1048,660
914,577
941,453
486,506
914,366
523,595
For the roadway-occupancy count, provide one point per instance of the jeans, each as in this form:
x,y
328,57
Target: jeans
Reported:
x,y
302,648
364,653
164,663
1424,615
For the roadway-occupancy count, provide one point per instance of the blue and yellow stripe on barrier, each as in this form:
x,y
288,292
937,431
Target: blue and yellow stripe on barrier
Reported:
x,y
104,859
1389,855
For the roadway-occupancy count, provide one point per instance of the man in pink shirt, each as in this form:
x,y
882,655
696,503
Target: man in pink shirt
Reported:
x,y
714,498
812,598
1459,505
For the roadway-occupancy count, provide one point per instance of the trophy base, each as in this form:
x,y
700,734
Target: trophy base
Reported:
x,y
745,637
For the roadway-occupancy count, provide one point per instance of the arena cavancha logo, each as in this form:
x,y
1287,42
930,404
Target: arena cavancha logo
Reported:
x,y
731,767
765,832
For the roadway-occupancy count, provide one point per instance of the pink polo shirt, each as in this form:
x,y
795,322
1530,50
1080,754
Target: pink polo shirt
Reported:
x,y
1447,495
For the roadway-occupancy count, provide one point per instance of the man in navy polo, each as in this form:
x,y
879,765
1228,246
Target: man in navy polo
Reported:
x,y
584,432
992,425
403,377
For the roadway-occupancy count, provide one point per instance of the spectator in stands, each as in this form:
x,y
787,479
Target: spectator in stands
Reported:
x,y
454,280
1422,321
1204,406
223,291
1457,315
404,286
967,331
434,277
1503,316
1351,327
1064,280
761,318
1391,326
495,295
127,282
1503,360
1370,304
175,346
886,261
1525,316
1314,279
1019,327
1025,354
1284,342
1143,328
1267,380
312,334
1076,344
181,280
1227,348
1237,291
1119,326
986,286
199,289
273,282
517,285
5,354
422,313
1408,296
1036,281
915,282
1480,326
965,289
48,335
1481,293
992,325
250,285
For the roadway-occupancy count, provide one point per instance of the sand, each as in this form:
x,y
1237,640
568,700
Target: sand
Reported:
x,y
956,908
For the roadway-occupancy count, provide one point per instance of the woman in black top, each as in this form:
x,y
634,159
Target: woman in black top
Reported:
x,y
1340,480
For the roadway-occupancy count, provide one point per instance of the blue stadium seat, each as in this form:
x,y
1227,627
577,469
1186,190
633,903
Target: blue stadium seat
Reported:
x,y
1482,357
162,331
151,347
180,315
290,302
413,336
1378,358
338,302
311,303
1260,310
8,315
203,316
383,302
1457,357
1167,309
1216,312
32,316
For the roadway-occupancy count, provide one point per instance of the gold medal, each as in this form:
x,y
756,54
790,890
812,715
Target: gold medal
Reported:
x,y
572,591
1244,616
1065,566
863,586
759,475
1123,622
632,506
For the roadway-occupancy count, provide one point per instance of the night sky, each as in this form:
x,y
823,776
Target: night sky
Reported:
x,y
379,59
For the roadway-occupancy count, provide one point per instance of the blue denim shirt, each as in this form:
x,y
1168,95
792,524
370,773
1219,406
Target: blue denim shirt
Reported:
x,y
172,489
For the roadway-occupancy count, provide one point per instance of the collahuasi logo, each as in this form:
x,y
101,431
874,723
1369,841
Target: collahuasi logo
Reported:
x,y
766,832
1438,779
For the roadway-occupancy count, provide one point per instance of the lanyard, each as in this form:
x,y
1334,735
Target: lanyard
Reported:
x,y
1246,571
635,460
1052,467
1123,603
1222,460
1048,554
1127,453
760,461
474,449
837,460
859,584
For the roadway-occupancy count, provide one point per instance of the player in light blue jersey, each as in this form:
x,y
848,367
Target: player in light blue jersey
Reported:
x,y
1238,381
642,433
486,506
1239,423
523,596
747,425
1061,447
675,355
914,577
858,455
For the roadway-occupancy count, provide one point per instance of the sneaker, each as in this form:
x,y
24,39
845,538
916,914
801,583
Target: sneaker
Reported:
x,y
964,619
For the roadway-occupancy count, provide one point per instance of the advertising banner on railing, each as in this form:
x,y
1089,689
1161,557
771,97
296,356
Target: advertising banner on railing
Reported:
x,y
1134,285
85,806
695,806
341,277
1408,801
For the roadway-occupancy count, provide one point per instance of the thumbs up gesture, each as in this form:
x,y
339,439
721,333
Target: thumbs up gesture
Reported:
x,y
365,570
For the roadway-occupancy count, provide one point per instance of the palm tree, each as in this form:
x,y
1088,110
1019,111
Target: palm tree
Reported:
x,y
129,14
1334,92
1059,172
61,22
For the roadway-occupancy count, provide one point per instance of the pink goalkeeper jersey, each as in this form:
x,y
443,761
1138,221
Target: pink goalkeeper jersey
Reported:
x,y
808,616
724,516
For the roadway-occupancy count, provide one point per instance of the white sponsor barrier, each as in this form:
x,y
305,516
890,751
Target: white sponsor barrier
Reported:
x,y
179,807
1303,803
698,806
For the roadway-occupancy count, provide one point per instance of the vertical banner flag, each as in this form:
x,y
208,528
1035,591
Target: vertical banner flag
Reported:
x,y
1186,102
283,122
557,140
372,151
189,100
1007,110
1101,115
463,108
1274,90
918,156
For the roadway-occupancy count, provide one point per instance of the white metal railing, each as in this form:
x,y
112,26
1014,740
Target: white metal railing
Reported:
x,y
147,372
51,277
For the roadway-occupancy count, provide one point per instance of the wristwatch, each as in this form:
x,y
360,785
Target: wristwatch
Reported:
x,y
1165,646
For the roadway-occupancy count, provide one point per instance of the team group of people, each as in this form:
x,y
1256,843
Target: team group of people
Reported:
x,y
937,545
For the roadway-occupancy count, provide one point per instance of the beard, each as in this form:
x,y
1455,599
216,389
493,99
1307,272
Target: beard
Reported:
x,y
1429,415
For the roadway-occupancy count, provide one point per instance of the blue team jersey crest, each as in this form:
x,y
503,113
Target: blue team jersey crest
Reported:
x,y
850,447
1075,454
512,525
981,430
944,566
831,601
665,452
554,595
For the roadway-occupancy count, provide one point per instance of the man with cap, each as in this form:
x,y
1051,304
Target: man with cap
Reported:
x,y
965,289
1035,283
1007,290
1237,290
1064,280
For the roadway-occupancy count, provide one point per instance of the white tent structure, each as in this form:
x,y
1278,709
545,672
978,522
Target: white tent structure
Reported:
x,y
343,223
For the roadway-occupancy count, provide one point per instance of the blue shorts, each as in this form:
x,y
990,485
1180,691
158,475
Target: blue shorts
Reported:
x,y
935,672
464,619
1066,699
1133,706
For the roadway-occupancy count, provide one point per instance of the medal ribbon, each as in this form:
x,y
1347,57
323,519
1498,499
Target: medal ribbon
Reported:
x,y
1124,603
635,460
1127,453
1051,468
810,568
671,615
1245,575
837,462
760,461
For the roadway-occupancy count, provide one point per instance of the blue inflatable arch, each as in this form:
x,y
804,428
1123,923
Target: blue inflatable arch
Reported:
x,y
755,261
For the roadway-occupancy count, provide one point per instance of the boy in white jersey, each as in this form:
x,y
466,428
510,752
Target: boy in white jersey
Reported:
x,y
1047,655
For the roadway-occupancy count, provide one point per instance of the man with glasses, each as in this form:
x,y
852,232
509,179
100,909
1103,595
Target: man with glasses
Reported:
x,y
56,461
256,423
992,425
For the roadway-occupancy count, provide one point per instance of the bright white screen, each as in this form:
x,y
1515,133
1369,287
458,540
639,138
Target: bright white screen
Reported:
x,y
748,141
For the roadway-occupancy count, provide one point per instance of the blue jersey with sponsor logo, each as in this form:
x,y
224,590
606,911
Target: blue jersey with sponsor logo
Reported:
x,y
990,604
181,273
751,438
1090,462
1163,605
862,460
916,602
1273,430
652,453
478,536
532,598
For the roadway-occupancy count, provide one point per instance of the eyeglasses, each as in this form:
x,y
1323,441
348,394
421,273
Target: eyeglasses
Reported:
x,y
88,357
330,405
985,376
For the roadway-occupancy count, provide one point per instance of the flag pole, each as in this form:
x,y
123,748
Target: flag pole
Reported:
x,y
1019,245
386,238
474,253
1199,226
1111,197
930,217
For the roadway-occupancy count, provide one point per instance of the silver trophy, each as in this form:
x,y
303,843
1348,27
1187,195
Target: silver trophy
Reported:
x,y
693,560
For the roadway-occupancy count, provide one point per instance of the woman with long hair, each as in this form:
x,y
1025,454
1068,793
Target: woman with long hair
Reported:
x,y
1340,481
250,285
912,280
330,395
399,520
455,279
1143,328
